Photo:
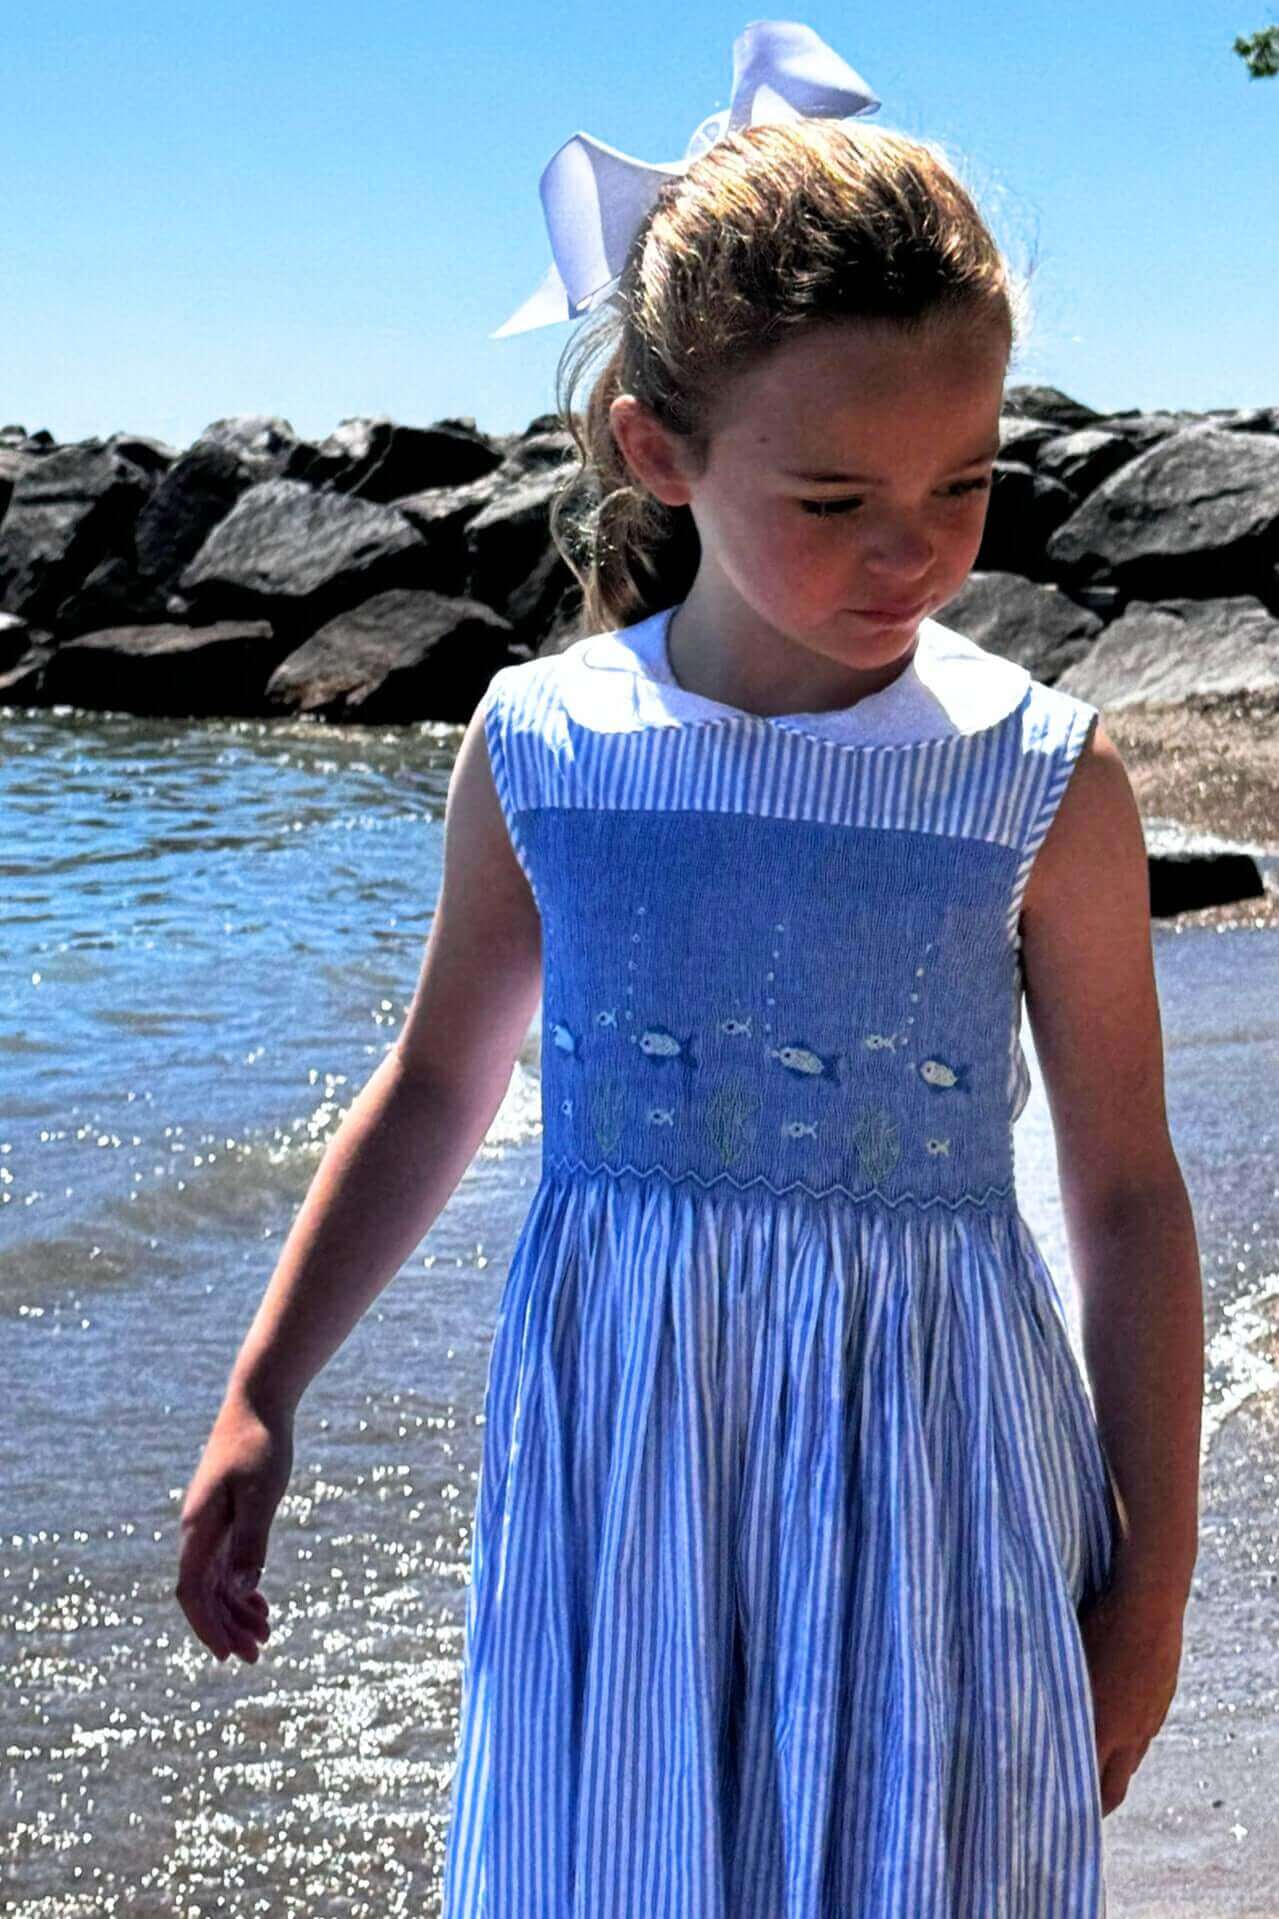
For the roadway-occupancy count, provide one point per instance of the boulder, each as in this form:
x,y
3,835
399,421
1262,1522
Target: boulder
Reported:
x,y
1037,625
1197,514
1173,650
180,672
71,509
298,556
403,655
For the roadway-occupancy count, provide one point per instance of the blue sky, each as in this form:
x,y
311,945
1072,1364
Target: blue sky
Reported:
x,y
319,210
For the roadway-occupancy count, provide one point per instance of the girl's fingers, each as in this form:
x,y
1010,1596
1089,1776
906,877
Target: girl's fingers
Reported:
x,y
248,1617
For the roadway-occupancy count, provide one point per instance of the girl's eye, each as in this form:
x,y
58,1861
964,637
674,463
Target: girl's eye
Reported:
x,y
823,508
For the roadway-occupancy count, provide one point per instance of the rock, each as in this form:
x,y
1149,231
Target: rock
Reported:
x,y
442,516
1198,514
298,556
1081,461
399,656
15,461
70,510
1021,440
507,539
259,443
375,459
1175,649
15,638
1184,882
1051,404
1025,508
114,593
547,605
1038,626
197,492
188,672
22,683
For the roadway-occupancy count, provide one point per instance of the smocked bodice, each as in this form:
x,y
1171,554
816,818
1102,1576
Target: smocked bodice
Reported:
x,y
782,953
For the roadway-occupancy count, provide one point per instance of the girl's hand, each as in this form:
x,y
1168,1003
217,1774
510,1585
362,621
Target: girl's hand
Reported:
x,y
226,1517
1132,1638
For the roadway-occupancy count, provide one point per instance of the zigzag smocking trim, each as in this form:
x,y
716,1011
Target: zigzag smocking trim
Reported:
x,y
566,1163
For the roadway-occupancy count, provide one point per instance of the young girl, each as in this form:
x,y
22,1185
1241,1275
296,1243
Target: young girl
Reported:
x,y
804,1581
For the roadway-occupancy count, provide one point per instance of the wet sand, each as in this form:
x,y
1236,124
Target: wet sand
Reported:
x,y
1211,764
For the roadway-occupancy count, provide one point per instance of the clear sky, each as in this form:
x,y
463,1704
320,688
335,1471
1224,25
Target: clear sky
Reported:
x,y
321,210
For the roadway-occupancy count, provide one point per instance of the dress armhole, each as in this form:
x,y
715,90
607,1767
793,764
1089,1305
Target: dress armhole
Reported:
x,y
496,719
1049,789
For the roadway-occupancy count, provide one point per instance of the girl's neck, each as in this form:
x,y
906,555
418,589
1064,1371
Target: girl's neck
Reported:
x,y
767,675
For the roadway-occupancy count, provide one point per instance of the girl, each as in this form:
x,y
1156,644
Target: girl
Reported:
x,y
804,1581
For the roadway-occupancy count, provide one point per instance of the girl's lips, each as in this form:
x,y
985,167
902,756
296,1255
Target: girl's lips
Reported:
x,y
890,612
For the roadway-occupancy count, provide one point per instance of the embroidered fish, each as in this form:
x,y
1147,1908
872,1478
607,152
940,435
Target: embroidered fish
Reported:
x,y
661,1115
939,1076
938,1146
658,1044
879,1042
803,1060
606,1019
735,1026
796,1129
565,1040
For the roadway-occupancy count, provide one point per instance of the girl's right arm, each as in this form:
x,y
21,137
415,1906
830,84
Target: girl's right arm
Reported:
x,y
387,1173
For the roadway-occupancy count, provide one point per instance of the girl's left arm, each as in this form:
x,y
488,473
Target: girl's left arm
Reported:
x,y
1093,1009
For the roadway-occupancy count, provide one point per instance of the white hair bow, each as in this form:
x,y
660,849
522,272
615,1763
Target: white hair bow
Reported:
x,y
595,198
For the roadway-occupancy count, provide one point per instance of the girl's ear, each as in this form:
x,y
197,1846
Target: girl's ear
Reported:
x,y
652,454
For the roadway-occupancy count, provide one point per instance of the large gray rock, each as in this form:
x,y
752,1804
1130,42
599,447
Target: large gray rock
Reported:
x,y
1038,626
1178,649
176,671
70,509
1198,514
299,556
400,656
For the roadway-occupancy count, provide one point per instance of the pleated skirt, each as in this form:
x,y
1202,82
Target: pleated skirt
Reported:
x,y
787,1509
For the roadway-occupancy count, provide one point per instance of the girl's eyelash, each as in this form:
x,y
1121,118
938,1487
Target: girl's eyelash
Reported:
x,y
822,507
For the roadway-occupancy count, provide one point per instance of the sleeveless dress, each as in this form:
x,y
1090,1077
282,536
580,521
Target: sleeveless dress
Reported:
x,y
791,1488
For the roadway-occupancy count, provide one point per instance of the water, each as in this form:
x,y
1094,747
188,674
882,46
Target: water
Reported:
x,y
212,933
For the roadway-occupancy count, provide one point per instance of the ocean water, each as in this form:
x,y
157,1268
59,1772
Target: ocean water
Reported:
x,y
211,932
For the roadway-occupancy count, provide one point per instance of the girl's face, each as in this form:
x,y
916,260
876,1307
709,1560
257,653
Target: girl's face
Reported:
x,y
849,472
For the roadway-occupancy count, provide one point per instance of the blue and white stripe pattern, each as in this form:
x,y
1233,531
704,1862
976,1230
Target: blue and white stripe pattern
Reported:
x,y
791,1487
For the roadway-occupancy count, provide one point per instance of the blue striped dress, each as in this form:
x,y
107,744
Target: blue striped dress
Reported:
x,y
791,1487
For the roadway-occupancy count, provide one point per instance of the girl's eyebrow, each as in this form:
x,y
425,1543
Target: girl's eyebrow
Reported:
x,y
988,452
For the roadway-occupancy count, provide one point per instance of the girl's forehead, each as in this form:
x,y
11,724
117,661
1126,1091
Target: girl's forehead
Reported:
x,y
840,378
854,431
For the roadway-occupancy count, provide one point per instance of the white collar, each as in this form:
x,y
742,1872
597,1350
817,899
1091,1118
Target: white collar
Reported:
x,y
951,686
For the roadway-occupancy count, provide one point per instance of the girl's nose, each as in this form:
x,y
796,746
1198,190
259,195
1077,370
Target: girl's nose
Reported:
x,y
899,552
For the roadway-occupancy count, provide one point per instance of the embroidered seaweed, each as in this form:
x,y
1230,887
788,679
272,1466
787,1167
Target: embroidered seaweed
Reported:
x,y
606,1106
732,1114
878,1143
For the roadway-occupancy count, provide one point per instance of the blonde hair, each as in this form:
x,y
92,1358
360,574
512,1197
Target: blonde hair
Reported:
x,y
772,228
